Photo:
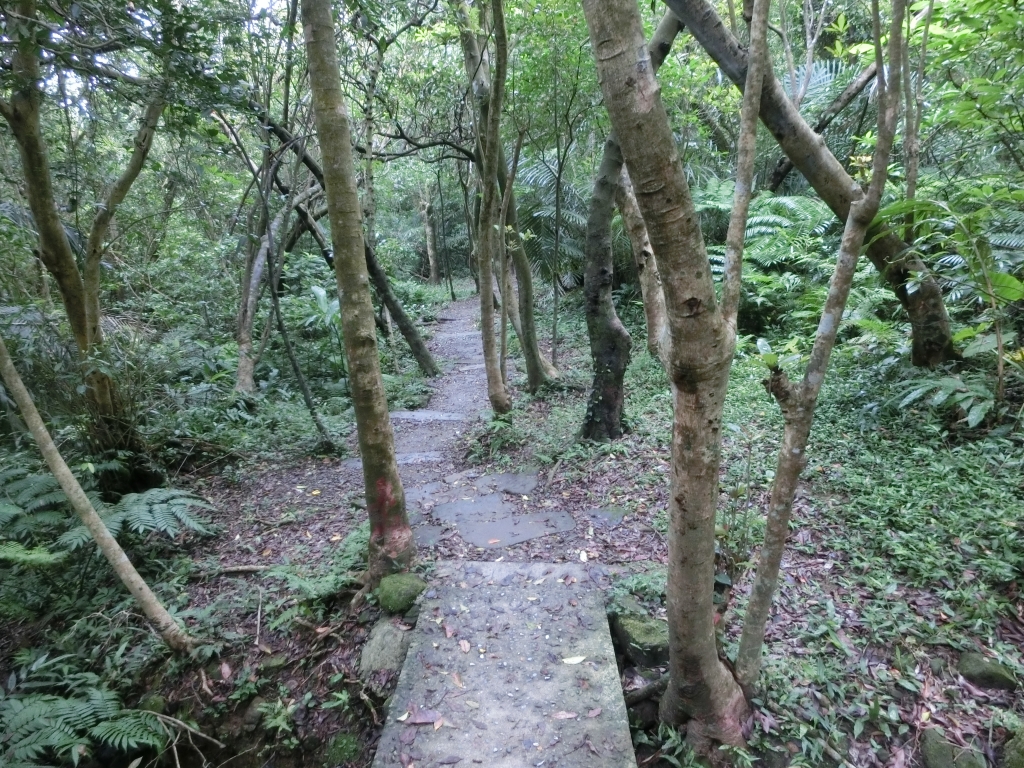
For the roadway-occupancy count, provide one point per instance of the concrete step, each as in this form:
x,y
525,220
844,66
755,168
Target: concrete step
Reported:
x,y
510,665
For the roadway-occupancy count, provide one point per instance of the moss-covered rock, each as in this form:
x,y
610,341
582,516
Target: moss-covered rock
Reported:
x,y
985,673
398,592
643,639
936,752
1013,755
154,702
343,748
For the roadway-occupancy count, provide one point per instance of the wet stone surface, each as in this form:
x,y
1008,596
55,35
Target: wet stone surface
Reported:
x,y
510,664
427,415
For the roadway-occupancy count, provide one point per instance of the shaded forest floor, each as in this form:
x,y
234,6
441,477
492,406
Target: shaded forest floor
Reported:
x,y
902,558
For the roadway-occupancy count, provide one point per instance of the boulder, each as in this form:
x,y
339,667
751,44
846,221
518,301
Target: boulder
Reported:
x,y
642,638
385,650
936,752
985,673
398,592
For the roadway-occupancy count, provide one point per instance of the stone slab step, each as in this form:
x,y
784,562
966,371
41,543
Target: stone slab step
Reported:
x,y
510,665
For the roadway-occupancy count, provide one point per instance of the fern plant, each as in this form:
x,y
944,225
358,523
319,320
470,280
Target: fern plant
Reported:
x,y
71,722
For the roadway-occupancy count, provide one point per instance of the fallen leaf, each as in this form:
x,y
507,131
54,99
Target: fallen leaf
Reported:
x,y
402,718
314,493
457,680
583,556
450,760
225,671
574,660
591,746
464,645
419,716
266,552
449,630
438,723
564,715
594,712
407,736
493,541
472,704
336,537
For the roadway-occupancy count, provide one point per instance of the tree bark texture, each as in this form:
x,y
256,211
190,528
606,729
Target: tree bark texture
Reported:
x,y
150,604
610,342
391,542
904,272
702,688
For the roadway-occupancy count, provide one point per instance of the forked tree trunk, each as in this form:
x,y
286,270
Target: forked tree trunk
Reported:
x,y
391,542
798,400
169,630
79,289
932,336
610,342
702,687
538,370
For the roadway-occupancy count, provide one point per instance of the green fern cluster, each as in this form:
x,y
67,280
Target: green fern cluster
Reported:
x,y
37,728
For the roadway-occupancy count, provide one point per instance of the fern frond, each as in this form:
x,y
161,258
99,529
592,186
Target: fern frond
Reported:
x,y
18,554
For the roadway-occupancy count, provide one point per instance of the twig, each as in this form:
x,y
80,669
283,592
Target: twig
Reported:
x,y
259,616
186,727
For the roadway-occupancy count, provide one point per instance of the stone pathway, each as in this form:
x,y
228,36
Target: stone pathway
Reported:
x,y
510,665
484,510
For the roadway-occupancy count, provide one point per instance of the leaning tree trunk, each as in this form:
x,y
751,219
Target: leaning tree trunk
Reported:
x,y
932,336
169,630
391,542
610,342
702,687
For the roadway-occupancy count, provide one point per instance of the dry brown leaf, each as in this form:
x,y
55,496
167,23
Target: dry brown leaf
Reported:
x,y
564,715
464,645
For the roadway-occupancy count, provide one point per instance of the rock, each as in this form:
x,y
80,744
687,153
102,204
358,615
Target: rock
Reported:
x,y
606,517
937,665
643,639
936,752
385,649
986,673
1013,753
398,592
625,605
275,662
252,717
153,702
343,748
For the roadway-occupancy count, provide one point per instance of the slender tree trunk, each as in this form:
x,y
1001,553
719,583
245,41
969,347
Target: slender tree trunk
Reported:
x,y
169,630
391,542
702,688
444,236
932,336
610,342
434,272
798,401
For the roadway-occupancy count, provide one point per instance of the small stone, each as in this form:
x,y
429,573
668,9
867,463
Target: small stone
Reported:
x,y
986,673
937,665
251,718
1013,753
643,639
276,661
936,752
398,592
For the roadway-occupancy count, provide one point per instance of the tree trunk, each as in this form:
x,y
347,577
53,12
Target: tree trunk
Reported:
x,y
79,289
610,342
434,275
702,688
646,268
169,630
391,542
798,401
932,337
